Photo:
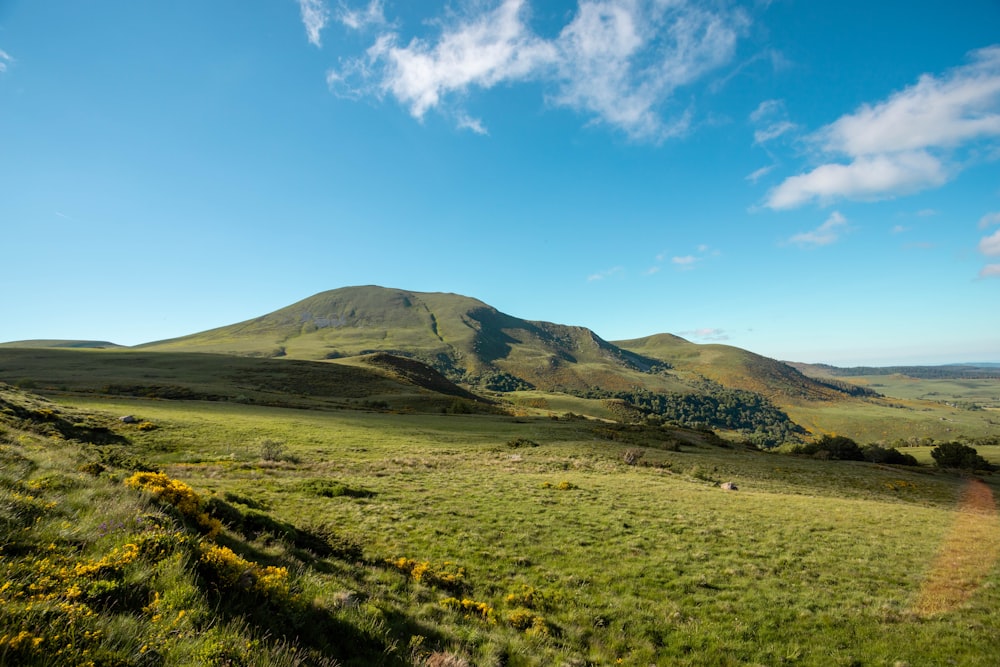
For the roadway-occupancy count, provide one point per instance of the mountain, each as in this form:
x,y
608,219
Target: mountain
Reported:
x,y
471,342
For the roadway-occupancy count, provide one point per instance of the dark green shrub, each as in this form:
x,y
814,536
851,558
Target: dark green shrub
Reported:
x,y
957,455
834,447
879,454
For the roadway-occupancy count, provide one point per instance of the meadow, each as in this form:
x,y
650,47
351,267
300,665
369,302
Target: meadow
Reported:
x,y
448,539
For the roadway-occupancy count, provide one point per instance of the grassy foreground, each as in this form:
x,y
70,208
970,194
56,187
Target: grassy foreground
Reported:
x,y
363,538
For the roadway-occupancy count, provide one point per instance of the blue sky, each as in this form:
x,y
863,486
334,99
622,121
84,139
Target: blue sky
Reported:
x,y
813,181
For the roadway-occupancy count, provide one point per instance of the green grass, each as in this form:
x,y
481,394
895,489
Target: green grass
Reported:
x,y
809,563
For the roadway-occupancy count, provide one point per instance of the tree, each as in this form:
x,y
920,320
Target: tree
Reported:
x,y
957,455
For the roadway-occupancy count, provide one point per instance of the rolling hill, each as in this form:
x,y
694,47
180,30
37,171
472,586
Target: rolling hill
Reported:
x,y
471,342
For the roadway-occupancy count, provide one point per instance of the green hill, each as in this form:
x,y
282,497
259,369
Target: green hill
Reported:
x,y
472,342
373,380
734,367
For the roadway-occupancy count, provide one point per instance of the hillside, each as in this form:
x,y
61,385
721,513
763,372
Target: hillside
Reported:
x,y
734,367
472,342
214,533
382,380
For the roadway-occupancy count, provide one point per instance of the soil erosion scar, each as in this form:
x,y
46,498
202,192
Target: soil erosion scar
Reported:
x,y
968,553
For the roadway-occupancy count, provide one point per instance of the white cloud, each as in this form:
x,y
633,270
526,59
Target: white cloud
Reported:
x,y
618,61
474,124
989,219
607,273
772,121
866,178
760,173
359,19
315,15
899,229
990,245
622,60
5,58
483,52
990,271
707,333
827,233
685,262
908,142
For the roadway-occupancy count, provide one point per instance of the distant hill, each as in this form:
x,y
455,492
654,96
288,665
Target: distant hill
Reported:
x,y
76,344
971,371
471,342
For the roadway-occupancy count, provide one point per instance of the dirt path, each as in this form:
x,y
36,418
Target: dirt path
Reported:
x,y
965,558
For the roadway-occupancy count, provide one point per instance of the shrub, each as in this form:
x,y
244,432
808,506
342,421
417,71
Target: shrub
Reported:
x,y
519,442
271,450
447,575
957,455
177,494
632,456
878,454
472,609
835,447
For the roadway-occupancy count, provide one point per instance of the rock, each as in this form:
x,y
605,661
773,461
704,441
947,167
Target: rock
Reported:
x,y
729,486
128,419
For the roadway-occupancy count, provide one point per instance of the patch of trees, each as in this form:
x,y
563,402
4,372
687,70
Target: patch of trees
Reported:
x,y
848,388
501,381
730,409
957,455
842,448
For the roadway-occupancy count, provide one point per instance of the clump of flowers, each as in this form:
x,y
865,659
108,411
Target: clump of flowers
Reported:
x,y
146,426
528,622
178,494
447,575
231,572
562,486
471,608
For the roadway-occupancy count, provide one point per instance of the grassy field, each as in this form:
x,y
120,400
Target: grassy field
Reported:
x,y
984,393
496,540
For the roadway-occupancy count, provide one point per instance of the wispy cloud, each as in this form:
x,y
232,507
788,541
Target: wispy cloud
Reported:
x,y
359,19
909,142
619,62
990,271
827,233
708,334
469,123
5,59
760,173
607,273
990,245
685,263
989,219
315,15
771,120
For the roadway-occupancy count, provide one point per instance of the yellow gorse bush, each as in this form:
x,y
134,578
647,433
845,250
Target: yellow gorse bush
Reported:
x,y
447,575
178,494
471,608
230,571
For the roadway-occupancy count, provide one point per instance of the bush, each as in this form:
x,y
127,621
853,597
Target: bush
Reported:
x,y
271,450
632,456
878,454
835,447
957,455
